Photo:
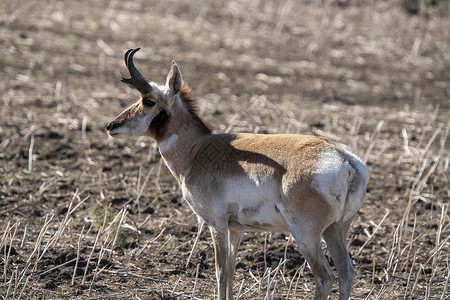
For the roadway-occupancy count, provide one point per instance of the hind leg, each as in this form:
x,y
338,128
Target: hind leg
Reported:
x,y
309,245
334,236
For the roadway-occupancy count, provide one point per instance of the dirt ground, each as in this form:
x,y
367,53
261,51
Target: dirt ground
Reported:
x,y
367,74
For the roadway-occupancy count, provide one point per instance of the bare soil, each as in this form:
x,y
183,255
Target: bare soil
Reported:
x,y
367,74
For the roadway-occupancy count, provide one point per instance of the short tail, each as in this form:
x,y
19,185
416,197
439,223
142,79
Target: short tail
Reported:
x,y
357,186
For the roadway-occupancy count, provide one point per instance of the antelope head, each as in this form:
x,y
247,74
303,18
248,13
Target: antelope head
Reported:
x,y
153,110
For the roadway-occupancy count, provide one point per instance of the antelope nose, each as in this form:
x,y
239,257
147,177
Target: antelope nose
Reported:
x,y
108,126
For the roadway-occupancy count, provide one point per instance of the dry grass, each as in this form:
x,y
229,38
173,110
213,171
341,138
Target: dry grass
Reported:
x,y
85,216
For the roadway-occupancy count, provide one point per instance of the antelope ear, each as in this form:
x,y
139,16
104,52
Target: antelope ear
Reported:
x,y
174,79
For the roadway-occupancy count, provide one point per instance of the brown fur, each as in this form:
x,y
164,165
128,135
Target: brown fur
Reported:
x,y
190,105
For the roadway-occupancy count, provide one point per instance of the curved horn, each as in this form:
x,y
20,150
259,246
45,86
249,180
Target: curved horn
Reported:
x,y
136,79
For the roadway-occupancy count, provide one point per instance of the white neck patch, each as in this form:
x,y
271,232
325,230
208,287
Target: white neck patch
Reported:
x,y
166,144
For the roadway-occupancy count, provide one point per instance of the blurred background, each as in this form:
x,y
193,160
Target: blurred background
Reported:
x,y
82,214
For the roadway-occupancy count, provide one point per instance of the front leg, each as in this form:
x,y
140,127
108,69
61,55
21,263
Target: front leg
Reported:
x,y
234,238
220,241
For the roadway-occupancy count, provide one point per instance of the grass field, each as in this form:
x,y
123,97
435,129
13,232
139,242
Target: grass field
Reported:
x,y
83,215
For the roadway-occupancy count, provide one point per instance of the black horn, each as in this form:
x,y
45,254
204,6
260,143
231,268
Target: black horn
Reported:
x,y
136,80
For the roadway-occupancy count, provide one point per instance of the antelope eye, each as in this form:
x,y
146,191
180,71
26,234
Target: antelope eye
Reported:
x,y
148,102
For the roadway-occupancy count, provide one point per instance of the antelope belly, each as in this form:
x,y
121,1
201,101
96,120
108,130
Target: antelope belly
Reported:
x,y
253,205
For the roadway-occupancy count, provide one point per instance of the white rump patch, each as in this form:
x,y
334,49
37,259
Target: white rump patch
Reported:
x,y
331,178
342,179
329,162
166,144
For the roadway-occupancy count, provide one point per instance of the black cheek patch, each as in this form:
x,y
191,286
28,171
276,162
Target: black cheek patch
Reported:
x,y
160,119
156,127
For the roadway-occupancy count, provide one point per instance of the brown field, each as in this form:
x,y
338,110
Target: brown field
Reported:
x,y
366,74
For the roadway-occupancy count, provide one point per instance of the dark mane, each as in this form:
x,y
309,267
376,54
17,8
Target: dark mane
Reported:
x,y
191,106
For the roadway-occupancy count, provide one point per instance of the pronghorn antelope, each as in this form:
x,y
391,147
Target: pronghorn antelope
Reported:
x,y
302,184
